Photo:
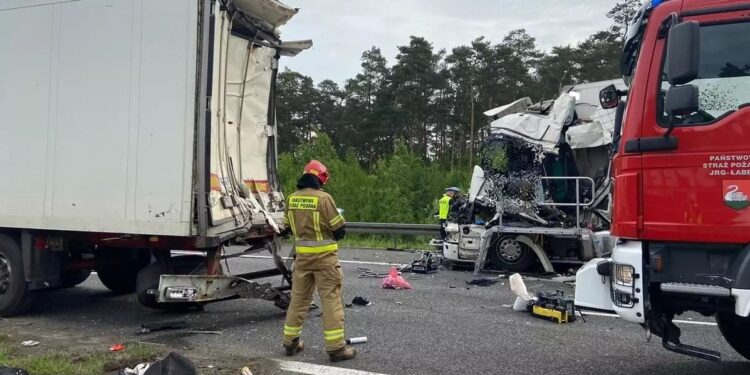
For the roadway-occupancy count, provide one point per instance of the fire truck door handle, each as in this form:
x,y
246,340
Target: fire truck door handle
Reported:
x,y
650,144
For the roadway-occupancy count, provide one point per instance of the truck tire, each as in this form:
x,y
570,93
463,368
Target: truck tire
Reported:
x,y
148,279
511,255
736,330
74,277
15,298
118,268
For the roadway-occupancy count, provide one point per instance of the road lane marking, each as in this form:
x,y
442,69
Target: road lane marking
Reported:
x,y
313,369
593,313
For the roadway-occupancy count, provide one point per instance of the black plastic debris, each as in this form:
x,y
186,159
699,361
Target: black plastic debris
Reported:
x,y
12,371
360,301
482,282
172,364
153,327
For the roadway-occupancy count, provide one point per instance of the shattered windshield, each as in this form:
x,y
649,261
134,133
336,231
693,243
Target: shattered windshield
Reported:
x,y
724,74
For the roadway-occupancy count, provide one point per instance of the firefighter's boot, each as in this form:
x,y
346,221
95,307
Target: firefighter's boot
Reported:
x,y
295,347
343,354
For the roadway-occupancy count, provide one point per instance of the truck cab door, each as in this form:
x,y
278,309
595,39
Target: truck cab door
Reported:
x,y
696,183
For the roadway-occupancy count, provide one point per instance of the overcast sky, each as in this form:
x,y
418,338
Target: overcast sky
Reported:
x,y
342,29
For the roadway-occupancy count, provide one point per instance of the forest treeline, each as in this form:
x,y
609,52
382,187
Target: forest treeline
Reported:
x,y
399,132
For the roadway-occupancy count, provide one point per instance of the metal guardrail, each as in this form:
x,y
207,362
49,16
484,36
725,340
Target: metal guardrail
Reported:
x,y
393,228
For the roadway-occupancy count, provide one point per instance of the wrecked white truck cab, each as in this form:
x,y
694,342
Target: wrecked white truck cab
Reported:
x,y
541,191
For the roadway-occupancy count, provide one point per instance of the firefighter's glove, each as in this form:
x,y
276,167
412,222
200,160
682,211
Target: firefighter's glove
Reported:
x,y
339,234
286,232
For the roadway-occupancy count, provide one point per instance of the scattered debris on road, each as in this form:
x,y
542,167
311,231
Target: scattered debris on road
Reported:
x,y
173,363
395,281
549,305
482,282
356,340
206,332
29,343
360,301
153,327
365,273
246,371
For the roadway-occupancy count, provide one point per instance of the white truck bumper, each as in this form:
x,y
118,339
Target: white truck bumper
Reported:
x,y
620,291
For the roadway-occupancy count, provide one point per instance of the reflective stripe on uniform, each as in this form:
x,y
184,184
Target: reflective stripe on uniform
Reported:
x,y
316,225
292,331
334,334
290,214
316,249
336,220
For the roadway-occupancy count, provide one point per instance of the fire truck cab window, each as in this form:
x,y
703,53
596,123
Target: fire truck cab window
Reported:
x,y
724,74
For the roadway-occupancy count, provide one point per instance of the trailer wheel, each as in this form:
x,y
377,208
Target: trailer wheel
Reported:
x,y
148,280
736,330
512,255
15,298
118,268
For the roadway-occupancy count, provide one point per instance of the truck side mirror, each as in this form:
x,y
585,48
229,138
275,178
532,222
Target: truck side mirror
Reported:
x,y
609,97
681,100
683,53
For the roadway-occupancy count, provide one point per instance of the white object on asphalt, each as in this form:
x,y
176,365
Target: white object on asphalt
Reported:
x,y
518,287
246,371
356,340
520,304
29,343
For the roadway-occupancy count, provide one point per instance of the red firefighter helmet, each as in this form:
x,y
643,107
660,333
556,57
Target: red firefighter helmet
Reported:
x,y
317,168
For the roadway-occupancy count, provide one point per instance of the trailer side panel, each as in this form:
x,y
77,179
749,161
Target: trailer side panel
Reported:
x,y
98,104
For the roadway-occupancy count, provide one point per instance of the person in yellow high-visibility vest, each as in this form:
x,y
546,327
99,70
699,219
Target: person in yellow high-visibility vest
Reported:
x,y
444,207
316,224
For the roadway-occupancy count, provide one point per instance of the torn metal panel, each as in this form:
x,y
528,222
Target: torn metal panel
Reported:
x,y
543,130
272,13
518,106
293,48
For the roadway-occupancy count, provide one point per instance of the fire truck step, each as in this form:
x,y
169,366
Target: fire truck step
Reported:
x,y
705,290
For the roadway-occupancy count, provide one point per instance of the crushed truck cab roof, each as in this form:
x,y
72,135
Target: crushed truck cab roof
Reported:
x,y
577,109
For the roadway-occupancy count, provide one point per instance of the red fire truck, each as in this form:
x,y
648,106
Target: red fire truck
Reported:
x,y
681,169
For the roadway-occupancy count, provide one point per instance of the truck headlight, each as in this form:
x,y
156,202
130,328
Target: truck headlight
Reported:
x,y
624,274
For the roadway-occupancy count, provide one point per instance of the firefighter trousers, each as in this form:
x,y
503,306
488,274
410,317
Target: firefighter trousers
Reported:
x,y
328,282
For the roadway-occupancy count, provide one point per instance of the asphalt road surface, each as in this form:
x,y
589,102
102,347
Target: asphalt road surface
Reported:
x,y
442,326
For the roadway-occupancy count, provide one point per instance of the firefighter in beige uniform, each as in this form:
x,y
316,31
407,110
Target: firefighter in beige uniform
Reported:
x,y
316,224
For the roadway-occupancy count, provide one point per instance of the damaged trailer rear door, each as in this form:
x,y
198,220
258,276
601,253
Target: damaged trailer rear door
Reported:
x,y
244,188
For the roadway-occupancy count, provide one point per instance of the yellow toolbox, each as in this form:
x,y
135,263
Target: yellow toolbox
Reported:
x,y
551,313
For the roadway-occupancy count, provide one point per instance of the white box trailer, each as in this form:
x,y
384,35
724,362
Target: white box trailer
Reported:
x,y
131,126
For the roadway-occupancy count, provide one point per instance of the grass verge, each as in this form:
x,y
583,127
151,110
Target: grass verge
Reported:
x,y
40,360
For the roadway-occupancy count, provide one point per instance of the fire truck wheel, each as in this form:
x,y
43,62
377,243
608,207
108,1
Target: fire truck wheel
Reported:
x,y
736,330
512,255
147,281
15,298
